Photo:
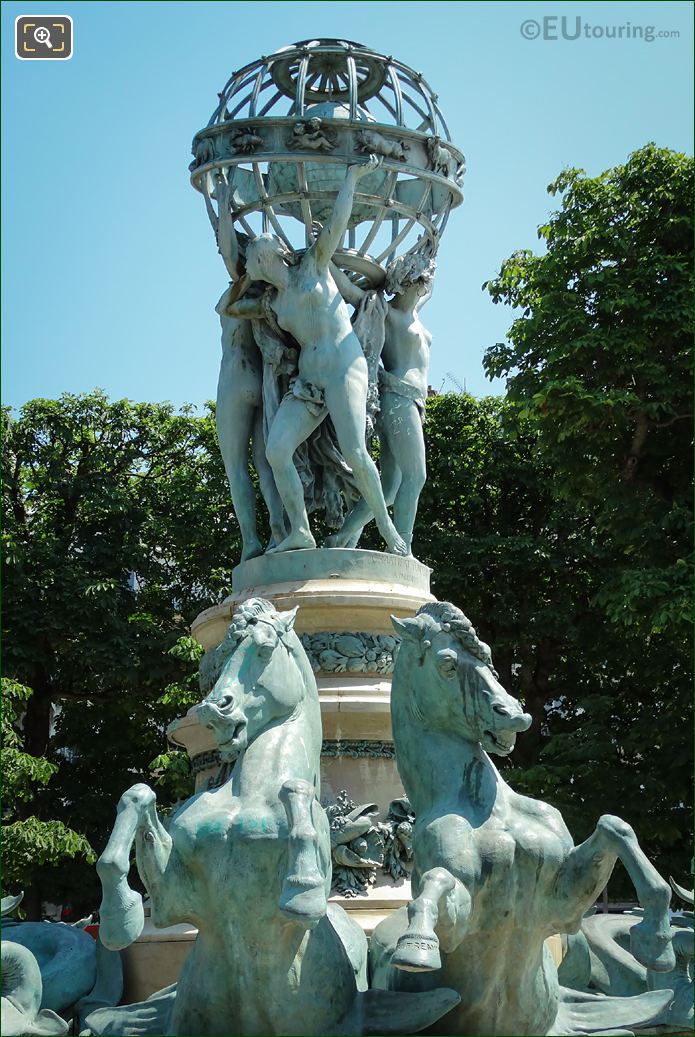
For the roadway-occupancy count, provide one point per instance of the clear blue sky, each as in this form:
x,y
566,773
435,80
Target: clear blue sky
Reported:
x,y
111,273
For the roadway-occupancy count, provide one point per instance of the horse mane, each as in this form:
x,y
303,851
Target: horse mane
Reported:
x,y
247,615
450,618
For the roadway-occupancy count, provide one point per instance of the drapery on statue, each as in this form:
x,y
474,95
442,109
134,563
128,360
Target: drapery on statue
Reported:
x,y
239,410
402,395
249,864
333,376
496,873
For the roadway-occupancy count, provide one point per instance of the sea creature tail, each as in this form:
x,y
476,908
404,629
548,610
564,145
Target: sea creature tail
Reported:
x,y
595,1014
145,1017
395,1012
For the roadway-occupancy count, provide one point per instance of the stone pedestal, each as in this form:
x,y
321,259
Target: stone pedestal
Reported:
x,y
154,960
345,600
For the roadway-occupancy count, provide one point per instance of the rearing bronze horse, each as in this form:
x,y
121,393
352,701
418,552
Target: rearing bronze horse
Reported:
x,y
495,873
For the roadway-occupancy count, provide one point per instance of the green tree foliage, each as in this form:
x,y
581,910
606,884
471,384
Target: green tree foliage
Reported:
x,y
600,358
118,531
171,770
27,842
610,706
599,370
500,544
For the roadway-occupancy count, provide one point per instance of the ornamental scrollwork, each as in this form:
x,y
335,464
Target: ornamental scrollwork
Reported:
x,y
362,846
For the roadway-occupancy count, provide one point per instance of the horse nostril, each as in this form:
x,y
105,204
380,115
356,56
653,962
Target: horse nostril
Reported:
x,y
225,701
502,711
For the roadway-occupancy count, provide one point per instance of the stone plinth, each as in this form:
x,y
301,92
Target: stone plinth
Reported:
x,y
354,590
154,960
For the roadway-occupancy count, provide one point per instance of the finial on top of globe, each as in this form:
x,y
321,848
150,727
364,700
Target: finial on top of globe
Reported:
x,y
287,126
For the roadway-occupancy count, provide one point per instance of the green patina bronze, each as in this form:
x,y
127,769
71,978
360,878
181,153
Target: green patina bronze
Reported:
x,y
331,190
496,873
599,959
249,864
51,973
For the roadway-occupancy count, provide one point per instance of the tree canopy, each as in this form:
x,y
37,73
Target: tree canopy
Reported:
x,y
600,358
117,531
599,368
27,842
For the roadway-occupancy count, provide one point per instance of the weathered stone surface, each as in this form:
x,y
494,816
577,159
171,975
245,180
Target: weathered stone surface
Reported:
x,y
331,564
345,624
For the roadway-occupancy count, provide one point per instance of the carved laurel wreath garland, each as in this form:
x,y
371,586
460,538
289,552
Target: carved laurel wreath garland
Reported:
x,y
331,652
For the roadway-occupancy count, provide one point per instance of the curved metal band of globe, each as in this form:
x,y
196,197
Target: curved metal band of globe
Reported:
x,y
380,201
383,201
372,267
219,148
344,131
365,75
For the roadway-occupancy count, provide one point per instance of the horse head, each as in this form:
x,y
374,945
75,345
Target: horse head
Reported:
x,y
260,674
453,685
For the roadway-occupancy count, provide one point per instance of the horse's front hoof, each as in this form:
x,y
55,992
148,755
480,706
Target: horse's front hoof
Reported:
x,y
415,953
304,904
653,950
123,925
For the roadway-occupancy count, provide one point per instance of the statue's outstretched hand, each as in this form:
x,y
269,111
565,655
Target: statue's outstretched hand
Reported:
x,y
239,289
222,189
361,169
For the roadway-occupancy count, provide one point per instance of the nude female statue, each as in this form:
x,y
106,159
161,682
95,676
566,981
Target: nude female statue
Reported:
x,y
403,392
239,411
333,378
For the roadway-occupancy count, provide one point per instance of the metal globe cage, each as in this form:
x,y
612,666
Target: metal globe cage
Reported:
x,y
285,129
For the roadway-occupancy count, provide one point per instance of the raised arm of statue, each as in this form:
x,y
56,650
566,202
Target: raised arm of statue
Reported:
x,y
227,243
352,293
423,299
245,309
334,229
